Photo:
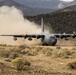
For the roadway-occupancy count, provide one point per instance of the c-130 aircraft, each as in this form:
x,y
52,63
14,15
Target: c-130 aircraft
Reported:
x,y
46,39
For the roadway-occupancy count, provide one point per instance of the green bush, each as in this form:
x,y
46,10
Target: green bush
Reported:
x,y
72,64
20,64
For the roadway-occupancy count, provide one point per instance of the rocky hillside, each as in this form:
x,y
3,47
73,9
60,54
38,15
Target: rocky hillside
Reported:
x,y
68,9
26,10
61,21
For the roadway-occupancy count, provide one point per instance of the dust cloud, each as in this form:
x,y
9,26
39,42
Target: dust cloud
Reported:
x,y
63,42
13,22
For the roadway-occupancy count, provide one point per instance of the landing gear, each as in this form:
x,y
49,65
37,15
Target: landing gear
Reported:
x,y
44,44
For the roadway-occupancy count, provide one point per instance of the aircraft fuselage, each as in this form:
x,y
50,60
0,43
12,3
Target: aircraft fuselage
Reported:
x,y
49,40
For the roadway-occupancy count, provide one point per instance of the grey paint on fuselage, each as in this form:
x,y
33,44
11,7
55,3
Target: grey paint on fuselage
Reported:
x,y
49,39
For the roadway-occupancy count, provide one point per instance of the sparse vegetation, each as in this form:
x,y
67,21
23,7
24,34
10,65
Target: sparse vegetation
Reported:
x,y
2,66
72,64
73,48
13,55
67,53
58,47
4,53
9,54
32,53
22,47
8,60
64,53
25,51
36,60
47,51
3,45
20,63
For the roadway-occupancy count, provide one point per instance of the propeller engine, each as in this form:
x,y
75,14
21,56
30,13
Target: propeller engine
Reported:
x,y
66,38
29,38
14,38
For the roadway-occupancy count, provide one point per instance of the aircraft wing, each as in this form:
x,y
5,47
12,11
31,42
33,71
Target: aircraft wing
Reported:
x,y
42,36
65,35
26,36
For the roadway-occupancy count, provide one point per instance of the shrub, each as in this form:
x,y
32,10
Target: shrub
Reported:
x,y
74,48
39,49
27,63
4,53
65,53
72,64
47,51
8,60
32,53
58,47
22,47
20,64
13,55
2,67
4,44
56,53
25,51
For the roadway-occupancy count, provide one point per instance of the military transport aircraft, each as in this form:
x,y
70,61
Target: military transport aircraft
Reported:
x,y
46,39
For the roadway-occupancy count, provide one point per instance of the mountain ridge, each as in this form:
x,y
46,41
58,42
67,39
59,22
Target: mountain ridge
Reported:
x,y
51,4
26,10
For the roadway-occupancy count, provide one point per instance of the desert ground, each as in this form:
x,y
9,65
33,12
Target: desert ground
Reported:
x,y
37,60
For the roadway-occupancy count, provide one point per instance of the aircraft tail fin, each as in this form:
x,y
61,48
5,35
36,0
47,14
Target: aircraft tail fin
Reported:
x,y
42,25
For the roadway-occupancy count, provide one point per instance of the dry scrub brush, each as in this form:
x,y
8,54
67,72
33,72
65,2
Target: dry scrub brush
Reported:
x,y
20,64
4,53
47,51
64,53
72,64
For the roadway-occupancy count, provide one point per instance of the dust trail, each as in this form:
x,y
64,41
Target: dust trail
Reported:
x,y
13,22
63,42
